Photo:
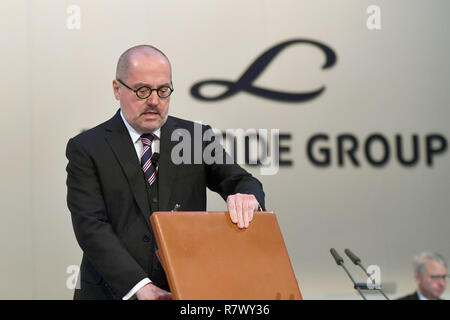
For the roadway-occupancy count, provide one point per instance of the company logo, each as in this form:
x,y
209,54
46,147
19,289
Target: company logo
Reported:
x,y
245,82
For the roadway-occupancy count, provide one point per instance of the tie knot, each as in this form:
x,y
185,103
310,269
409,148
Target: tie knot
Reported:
x,y
147,138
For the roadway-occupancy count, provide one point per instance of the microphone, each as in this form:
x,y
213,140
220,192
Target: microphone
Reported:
x,y
340,262
353,257
336,256
155,159
357,261
155,191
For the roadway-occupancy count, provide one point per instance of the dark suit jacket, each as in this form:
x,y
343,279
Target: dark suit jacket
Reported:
x,y
109,202
412,296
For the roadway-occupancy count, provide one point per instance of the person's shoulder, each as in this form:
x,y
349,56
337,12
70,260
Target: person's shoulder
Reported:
x,y
412,296
184,123
94,134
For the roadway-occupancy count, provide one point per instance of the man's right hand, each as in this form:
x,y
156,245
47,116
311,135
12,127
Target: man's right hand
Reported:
x,y
152,292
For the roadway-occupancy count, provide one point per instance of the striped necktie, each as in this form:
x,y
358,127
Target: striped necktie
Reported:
x,y
146,160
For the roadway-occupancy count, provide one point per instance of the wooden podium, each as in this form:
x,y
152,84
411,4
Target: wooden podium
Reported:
x,y
206,256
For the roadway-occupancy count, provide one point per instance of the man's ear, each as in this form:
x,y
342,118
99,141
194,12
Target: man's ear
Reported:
x,y
116,84
416,277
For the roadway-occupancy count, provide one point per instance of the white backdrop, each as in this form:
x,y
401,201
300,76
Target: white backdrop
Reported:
x,y
56,81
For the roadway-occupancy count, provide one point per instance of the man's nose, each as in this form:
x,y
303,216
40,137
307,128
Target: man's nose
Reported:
x,y
442,283
153,99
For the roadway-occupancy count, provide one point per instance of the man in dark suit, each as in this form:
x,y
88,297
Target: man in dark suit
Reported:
x,y
430,273
114,182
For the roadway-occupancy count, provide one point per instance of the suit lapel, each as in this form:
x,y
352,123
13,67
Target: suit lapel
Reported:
x,y
167,169
120,142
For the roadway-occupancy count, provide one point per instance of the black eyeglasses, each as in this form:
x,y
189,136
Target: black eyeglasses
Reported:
x,y
439,277
144,92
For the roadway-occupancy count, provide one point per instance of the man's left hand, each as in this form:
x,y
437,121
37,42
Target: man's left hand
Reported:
x,y
241,208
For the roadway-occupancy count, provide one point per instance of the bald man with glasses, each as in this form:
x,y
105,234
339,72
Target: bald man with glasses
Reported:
x,y
115,182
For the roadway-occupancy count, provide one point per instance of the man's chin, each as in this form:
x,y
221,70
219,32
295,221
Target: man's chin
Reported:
x,y
438,294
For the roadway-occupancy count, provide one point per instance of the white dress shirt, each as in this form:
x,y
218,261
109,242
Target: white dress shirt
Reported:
x,y
136,138
421,296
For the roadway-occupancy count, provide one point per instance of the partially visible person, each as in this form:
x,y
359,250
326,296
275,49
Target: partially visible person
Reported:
x,y
430,273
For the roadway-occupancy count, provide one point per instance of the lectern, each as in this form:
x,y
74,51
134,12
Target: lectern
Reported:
x,y
206,256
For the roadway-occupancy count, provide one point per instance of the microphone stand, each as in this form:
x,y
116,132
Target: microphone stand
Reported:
x,y
373,281
340,262
356,285
357,261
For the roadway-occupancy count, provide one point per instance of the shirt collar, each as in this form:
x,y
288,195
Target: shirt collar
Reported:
x,y
421,296
135,136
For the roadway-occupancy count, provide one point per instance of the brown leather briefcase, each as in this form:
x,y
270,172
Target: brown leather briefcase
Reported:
x,y
206,256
